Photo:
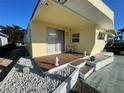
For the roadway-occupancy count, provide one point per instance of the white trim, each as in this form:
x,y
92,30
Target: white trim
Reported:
x,y
68,84
41,4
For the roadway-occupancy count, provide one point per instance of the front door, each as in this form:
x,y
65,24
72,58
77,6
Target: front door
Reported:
x,y
55,41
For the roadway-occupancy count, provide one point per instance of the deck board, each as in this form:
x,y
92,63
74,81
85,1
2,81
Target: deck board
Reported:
x,y
48,62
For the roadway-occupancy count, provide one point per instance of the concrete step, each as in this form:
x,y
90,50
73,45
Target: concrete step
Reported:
x,y
103,63
5,62
85,71
100,61
4,66
79,63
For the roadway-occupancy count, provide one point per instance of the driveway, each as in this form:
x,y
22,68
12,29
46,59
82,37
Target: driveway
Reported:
x,y
110,79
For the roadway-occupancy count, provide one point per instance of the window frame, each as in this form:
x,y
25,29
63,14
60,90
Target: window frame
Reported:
x,y
76,37
101,36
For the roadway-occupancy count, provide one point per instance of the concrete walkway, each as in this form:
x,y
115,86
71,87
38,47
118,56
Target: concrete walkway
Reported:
x,y
110,79
4,63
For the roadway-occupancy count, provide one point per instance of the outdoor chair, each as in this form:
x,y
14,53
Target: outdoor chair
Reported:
x,y
70,48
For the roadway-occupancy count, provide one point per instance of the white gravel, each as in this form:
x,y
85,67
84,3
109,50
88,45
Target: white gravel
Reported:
x,y
35,82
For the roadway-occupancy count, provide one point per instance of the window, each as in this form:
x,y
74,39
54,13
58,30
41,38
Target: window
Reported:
x,y
101,36
61,1
75,37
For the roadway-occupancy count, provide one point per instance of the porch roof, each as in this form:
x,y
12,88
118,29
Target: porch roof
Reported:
x,y
56,14
95,11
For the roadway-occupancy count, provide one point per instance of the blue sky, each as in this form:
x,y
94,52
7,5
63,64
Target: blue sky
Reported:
x,y
118,7
18,12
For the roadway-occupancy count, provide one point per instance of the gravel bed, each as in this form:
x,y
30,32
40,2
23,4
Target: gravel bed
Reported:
x,y
35,82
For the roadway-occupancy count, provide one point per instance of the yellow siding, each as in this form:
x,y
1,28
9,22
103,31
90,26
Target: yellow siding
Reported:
x,y
87,39
39,37
99,44
39,40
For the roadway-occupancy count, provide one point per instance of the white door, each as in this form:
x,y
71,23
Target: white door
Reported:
x,y
55,41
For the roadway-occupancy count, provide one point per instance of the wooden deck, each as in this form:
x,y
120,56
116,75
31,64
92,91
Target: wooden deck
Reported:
x,y
48,62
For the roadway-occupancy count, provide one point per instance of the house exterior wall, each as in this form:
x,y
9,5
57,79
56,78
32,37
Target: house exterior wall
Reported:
x,y
99,44
27,40
39,38
87,39
37,45
4,40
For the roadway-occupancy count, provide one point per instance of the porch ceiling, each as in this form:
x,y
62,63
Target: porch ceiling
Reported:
x,y
93,10
55,14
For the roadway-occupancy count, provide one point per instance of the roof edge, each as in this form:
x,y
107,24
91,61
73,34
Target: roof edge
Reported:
x,y
35,9
4,35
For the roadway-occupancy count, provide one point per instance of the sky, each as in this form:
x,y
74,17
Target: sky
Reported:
x,y
18,12
118,7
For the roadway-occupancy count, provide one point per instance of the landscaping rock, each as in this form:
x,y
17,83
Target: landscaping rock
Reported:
x,y
26,70
35,82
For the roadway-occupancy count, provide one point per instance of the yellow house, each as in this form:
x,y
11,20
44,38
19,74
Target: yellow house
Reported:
x,y
59,25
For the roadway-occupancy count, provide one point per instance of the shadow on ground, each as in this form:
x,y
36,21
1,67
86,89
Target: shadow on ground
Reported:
x,y
82,87
14,55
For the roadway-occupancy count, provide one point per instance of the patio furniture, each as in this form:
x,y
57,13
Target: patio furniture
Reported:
x,y
70,48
